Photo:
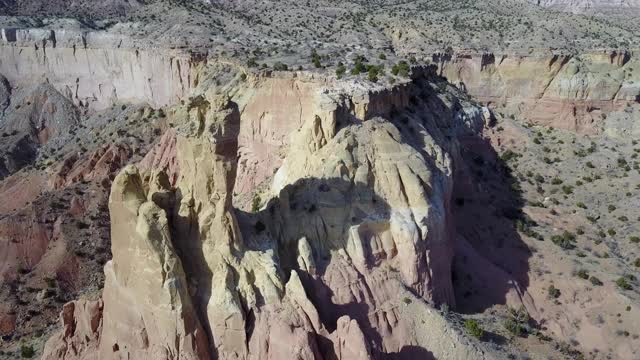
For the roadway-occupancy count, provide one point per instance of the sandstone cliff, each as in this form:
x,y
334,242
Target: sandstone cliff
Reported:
x,y
353,245
573,92
96,69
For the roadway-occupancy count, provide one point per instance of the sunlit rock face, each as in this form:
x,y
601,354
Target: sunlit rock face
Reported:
x,y
573,92
356,227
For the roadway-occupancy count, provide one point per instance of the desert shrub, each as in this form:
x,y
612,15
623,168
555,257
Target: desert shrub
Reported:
x,y
536,204
509,155
582,274
611,232
473,328
359,66
27,352
595,281
611,208
623,284
373,72
556,181
401,69
565,241
553,292
255,203
634,239
517,321
622,162
340,70
252,62
315,59
581,205
278,66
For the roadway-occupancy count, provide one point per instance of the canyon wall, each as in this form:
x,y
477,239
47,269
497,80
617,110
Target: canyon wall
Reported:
x,y
96,69
566,91
591,6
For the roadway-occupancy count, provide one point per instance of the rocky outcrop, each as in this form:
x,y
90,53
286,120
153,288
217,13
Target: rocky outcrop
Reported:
x,y
99,166
356,228
40,114
81,324
163,325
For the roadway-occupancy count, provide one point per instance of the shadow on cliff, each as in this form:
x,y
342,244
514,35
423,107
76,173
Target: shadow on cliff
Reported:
x,y
490,257
325,212
491,260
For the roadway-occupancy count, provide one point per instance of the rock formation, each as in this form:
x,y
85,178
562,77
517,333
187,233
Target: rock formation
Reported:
x,y
357,227
275,179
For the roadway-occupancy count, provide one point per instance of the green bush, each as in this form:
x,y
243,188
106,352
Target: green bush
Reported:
x,y
340,70
509,155
315,59
517,321
359,66
255,203
402,69
623,284
553,292
473,328
373,72
278,66
582,274
27,352
252,62
595,281
565,240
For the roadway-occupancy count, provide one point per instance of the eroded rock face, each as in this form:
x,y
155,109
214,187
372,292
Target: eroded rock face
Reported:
x,y
92,69
563,91
357,226
146,316
81,321
40,114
